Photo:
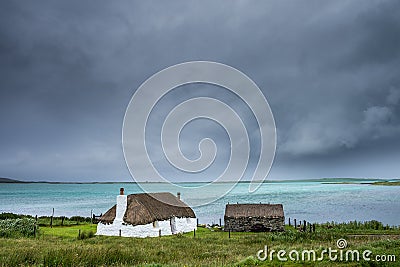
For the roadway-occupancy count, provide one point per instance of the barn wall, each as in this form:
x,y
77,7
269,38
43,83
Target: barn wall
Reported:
x,y
148,230
246,224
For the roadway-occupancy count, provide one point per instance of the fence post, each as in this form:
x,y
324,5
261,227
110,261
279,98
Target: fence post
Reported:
x,y
120,232
289,221
51,219
194,233
305,226
79,233
220,224
313,227
229,233
159,233
310,228
295,223
197,221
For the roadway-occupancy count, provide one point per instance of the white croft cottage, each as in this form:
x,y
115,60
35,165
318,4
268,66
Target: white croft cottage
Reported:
x,y
146,215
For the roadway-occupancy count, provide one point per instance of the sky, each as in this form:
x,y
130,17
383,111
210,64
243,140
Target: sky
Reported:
x,y
330,71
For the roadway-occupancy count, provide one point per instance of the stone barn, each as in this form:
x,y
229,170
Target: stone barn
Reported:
x,y
254,218
146,215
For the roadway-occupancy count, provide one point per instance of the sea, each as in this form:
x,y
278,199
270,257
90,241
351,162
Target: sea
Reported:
x,y
311,201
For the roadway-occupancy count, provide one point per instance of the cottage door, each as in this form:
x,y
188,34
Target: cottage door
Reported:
x,y
172,222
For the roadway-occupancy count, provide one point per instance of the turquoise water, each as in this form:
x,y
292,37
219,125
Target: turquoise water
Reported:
x,y
311,201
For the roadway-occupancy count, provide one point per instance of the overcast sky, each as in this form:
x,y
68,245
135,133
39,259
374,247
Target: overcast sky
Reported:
x,y
330,71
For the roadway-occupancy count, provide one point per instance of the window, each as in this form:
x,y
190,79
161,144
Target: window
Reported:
x,y
155,224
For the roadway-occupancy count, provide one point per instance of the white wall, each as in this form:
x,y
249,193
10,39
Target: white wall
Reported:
x,y
182,225
122,203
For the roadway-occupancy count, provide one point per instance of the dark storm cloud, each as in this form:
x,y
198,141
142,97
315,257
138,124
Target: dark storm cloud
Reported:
x,y
330,71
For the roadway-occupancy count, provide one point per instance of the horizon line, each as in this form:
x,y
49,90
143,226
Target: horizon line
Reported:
x,y
9,180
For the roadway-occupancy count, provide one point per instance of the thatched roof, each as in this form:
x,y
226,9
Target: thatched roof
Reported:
x,y
150,207
254,210
109,216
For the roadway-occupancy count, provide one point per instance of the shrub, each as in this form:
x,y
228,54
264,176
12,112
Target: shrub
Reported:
x,y
85,234
9,215
17,227
62,220
80,219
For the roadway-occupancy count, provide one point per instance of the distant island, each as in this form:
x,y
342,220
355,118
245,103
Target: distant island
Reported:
x,y
395,182
8,180
388,183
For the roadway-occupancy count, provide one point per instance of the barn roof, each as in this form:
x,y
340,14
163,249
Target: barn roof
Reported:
x,y
254,210
150,207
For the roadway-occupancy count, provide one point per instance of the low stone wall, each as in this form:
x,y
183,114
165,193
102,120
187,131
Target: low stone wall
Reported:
x,y
254,224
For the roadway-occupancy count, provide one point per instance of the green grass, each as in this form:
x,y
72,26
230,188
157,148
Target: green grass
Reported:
x,y
66,231
60,246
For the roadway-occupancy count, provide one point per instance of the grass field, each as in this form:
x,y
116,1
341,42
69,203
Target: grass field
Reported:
x,y
60,246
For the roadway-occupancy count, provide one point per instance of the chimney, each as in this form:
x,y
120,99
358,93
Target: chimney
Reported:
x,y
121,205
178,195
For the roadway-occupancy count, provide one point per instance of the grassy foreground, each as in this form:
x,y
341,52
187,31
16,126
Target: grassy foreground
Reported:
x,y
60,246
